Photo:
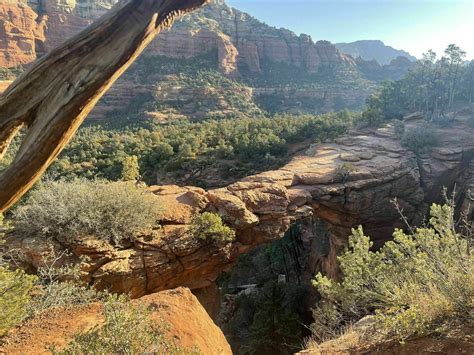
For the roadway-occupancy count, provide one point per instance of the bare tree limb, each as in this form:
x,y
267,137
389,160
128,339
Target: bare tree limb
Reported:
x,y
54,97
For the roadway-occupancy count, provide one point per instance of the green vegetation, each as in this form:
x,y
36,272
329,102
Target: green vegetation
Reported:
x,y
130,168
434,86
59,284
127,329
270,318
279,74
194,88
113,212
10,73
55,284
399,128
209,227
15,286
275,326
344,171
417,284
420,139
233,148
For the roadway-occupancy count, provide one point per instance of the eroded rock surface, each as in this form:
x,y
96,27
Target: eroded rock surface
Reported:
x,y
350,182
223,38
21,34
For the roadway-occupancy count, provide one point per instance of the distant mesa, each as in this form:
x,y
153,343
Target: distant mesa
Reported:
x,y
373,50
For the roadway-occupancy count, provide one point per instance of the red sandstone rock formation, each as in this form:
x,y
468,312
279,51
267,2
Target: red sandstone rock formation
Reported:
x,y
239,39
261,208
21,34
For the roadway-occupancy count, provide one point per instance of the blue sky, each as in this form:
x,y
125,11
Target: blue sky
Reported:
x,y
412,25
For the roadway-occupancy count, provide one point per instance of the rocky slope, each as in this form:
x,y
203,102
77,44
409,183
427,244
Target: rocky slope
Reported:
x,y
373,50
330,189
265,59
189,325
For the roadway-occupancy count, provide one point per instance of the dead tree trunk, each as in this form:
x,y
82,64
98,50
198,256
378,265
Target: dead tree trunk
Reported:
x,y
54,97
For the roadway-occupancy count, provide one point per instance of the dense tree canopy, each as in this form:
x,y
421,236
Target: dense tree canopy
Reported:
x,y
435,86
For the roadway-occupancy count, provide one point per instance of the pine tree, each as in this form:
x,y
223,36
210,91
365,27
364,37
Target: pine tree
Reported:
x,y
130,168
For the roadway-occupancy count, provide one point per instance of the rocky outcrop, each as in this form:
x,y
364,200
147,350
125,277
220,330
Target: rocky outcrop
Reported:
x,y
339,185
33,27
395,70
242,48
21,34
189,326
258,43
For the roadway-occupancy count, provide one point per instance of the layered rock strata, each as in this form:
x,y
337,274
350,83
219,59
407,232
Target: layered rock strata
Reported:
x,y
22,34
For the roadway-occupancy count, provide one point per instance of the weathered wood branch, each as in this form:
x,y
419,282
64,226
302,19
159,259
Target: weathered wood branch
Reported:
x,y
54,97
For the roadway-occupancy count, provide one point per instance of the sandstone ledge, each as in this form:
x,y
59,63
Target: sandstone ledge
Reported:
x,y
261,209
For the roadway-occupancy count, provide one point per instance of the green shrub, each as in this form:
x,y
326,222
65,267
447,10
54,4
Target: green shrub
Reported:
x,y
130,168
14,297
127,330
15,287
109,211
398,128
420,139
416,284
209,227
343,171
59,284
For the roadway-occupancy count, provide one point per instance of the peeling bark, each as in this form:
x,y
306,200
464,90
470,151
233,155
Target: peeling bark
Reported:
x,y
54,97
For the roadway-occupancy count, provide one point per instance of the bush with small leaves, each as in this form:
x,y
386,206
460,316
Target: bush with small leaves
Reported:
x,y
343,171
420,139
113,212
417,284
59,284
398,128
209,227
127,329
130,168
15,286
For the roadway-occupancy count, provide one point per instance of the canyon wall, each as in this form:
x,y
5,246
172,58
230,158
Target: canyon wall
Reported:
x,y
37,26
239,46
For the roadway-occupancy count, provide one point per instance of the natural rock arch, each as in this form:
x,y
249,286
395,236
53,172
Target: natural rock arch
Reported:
x,y
56,94
261,208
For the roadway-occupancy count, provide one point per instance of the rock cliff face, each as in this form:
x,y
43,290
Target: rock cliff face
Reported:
x,y
257,43
242,48
339,185
21,34
65,18
240,40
